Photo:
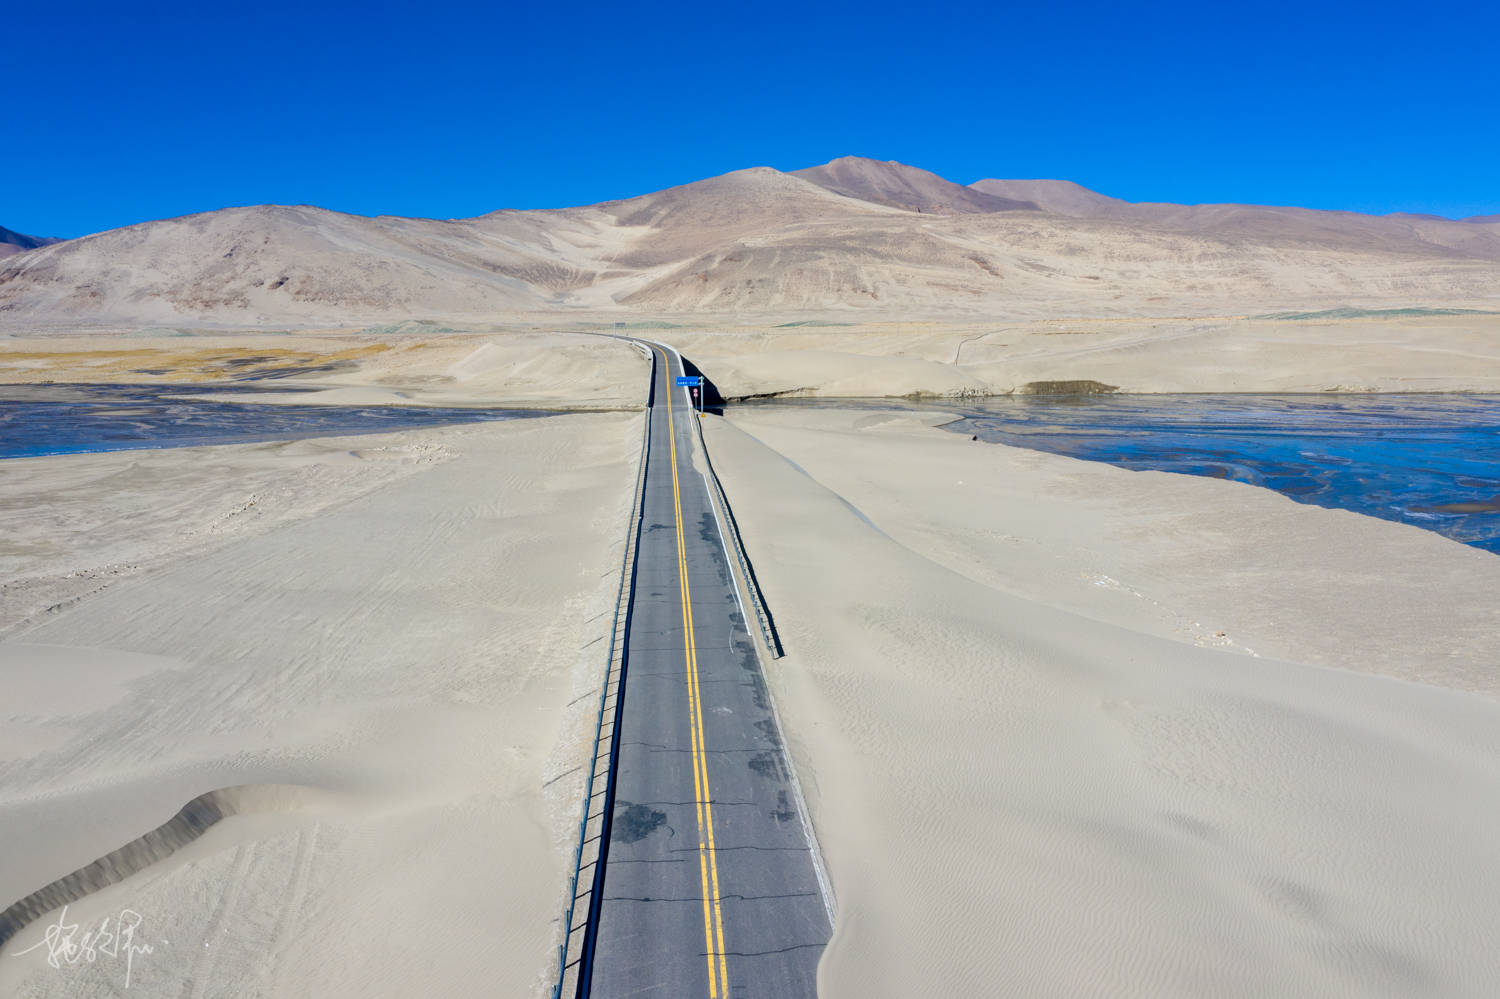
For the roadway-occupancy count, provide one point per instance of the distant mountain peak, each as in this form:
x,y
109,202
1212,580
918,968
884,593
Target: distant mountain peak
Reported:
x,y
1062,197
16,242
901,186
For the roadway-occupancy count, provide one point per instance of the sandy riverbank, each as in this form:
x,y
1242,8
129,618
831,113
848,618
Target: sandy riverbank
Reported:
x,y
390,635
408,364
1034,774
1349,351
1413,350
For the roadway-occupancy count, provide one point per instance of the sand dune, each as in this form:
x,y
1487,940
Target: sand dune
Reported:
x,y
1020,799
315,710
854,236
326,628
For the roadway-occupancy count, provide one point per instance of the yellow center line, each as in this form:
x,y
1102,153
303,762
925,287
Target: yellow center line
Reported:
x,y
713,862
708,863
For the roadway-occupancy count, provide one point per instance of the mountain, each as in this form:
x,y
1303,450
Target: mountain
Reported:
x,y
14,242
1398,232
1060,196
685,222
902,186
854,238
299,262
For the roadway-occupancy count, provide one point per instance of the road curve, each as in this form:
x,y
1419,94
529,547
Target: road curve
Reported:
x,y
709,882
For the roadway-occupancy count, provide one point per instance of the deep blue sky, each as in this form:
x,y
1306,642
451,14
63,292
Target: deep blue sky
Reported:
x,y
124,113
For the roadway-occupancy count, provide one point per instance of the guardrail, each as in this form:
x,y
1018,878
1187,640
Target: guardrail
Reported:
x,y
762,612
619,634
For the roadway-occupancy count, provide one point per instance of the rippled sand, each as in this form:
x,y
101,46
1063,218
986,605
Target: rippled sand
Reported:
x,y
1071,730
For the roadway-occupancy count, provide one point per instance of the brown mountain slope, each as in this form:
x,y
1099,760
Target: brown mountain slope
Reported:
x,y
902,186
752,242
12,243
680,223
1401,233
1062,197
1035,265
276,262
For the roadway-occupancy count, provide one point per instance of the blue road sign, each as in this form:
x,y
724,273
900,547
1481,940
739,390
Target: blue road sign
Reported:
x,y
689,379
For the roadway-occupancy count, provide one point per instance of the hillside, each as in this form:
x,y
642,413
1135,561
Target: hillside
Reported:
x,y
12,243
852,237
902,186
1062,197
1401,232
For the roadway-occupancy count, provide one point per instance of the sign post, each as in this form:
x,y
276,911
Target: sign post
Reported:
x,y
695,383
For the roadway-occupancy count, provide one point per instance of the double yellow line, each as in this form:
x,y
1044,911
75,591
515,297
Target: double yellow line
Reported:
x,y
708,864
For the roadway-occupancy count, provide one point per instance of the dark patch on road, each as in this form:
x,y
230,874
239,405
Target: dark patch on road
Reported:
x,y
746,650
708,532
767,765
758,686
635,822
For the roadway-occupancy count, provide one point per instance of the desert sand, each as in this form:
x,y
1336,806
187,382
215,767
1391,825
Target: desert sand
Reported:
x,y
1064,729
382,646
484,365
409,364
1341,351
1070,730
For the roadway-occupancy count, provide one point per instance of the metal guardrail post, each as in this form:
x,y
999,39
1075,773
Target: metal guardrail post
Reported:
x,y
757,600
616,643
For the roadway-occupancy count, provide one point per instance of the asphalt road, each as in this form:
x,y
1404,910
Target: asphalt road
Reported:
x,y
709,884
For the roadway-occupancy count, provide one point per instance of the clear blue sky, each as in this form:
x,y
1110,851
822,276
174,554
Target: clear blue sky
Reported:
x,y
121,113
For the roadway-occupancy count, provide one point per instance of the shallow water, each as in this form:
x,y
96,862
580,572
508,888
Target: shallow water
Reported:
x,y
68,419
1428,460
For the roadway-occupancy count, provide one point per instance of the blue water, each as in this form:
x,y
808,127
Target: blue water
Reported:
x,y
67,419
1428,460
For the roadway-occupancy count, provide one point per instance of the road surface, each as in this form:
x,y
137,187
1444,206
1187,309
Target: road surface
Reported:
x,y
709,884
